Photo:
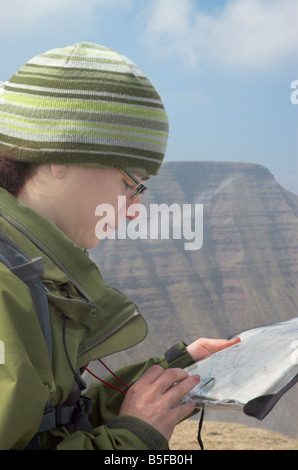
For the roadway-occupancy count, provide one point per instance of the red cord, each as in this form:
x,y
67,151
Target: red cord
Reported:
x,y
111,372
107,383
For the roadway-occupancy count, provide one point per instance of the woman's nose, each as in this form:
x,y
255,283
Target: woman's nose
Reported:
x,y
134,210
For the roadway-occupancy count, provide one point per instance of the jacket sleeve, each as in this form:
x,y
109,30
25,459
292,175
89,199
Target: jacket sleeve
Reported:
x,y
25,377
124,432
107,401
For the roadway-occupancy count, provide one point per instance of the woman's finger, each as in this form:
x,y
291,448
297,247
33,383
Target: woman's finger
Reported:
x,y
184,410
151,375
182,388
169,378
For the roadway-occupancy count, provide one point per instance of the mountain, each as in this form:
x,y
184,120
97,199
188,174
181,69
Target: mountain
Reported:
x,y
243,276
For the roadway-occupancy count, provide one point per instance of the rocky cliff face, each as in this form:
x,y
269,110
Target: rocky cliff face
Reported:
x,y
245,274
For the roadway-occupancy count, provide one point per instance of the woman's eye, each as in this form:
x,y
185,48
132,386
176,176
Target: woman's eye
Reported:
x,y
128,186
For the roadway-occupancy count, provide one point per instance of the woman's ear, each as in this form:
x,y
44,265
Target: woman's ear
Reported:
x,y
58,171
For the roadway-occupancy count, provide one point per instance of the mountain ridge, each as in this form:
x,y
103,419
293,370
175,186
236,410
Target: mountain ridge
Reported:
x,y
245,275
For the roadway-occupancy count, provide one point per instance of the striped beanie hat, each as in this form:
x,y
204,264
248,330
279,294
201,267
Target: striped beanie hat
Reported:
x,y
83,105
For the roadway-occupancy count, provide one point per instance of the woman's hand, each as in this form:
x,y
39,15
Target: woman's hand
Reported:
x,y
204,347
153,398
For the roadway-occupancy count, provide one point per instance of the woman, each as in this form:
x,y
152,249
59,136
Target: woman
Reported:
x,y
80,126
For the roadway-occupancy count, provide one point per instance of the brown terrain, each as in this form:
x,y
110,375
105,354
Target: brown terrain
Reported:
x,y
229,436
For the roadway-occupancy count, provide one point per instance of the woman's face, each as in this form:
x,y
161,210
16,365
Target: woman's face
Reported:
x,y
91,204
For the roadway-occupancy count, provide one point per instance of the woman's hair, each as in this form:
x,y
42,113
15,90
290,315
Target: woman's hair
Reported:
x,y
14,174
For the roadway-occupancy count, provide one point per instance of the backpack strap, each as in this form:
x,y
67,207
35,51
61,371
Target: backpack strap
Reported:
x,y
30,272
72,413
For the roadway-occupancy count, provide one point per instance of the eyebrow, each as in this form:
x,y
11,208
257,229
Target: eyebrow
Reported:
x,y
140,176
145,177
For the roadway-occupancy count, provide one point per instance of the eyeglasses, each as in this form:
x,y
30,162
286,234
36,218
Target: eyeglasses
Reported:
x,y
137,187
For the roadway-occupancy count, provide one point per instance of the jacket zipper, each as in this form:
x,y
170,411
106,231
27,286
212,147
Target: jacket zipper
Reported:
x,y
85,304
112,331
82,303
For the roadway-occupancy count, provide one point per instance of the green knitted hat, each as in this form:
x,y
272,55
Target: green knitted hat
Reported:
x,y
83,105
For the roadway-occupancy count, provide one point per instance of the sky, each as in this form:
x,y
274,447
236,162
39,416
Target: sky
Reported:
x,y
227,70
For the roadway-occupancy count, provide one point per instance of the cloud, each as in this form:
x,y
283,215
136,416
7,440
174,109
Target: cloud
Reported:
x,y
26,14
252,33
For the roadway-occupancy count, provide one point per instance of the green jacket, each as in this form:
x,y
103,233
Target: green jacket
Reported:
x,y
101,321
